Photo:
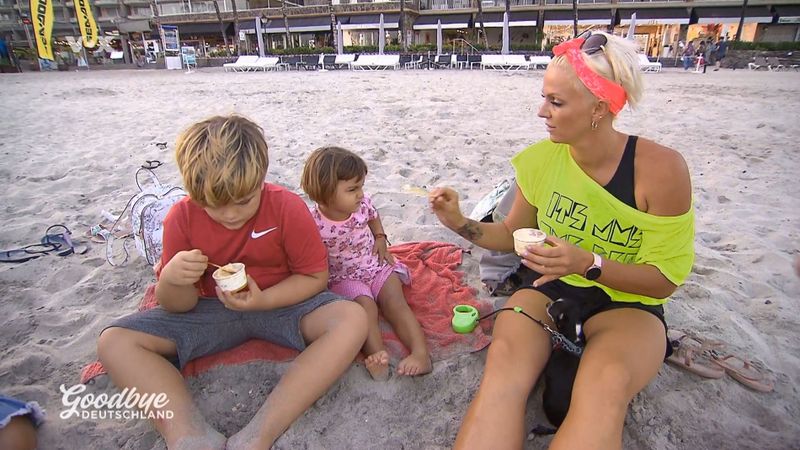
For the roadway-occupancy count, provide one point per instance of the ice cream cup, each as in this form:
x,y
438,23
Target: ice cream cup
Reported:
x,y
232,282
524,237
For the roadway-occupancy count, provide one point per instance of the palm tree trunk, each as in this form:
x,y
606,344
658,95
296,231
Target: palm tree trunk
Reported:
x,y
289,43
221,26
574,18
236,28
403,43
483,29
334,34
741,22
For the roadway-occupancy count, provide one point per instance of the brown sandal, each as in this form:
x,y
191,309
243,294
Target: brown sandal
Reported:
x,y
690,354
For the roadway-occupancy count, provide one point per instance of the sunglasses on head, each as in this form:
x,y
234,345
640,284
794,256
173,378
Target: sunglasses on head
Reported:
x,y
592,43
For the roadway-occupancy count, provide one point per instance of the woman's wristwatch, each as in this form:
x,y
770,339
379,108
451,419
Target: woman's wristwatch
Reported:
x,y
596,269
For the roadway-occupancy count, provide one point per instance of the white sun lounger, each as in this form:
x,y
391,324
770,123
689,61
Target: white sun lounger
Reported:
x,y
646,66
242,64
505,62
376,62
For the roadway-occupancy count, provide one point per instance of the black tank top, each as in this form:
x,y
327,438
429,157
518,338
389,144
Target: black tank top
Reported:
x,y
621,184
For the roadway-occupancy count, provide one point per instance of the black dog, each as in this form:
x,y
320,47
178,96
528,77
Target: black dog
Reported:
x,y
559,374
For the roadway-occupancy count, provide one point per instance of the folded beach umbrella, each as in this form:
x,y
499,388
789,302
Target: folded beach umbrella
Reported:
x,y
259,37
439,37
506,35
339,38
381,36
632,28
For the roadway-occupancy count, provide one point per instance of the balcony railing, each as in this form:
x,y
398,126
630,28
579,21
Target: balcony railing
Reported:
x,y
569,2
465,4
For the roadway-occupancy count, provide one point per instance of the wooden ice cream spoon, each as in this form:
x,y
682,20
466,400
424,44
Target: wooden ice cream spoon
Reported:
x,y
226,268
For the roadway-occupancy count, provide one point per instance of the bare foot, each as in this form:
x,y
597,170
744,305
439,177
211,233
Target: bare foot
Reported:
x,y
378,365
415,364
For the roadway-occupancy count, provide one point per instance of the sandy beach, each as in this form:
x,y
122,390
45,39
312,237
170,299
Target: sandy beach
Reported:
x,y
71,143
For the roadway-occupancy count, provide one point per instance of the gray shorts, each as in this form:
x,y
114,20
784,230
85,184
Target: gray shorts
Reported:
x,y
211,328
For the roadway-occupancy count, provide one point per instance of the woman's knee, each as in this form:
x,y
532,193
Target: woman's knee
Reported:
x,y
611,381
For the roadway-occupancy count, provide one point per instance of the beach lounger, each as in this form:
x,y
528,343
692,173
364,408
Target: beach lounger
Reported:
x,y
647,66
344,61
415,63
376,62
242,64
444,61
505,62
536,61
774,64
759,62
474,60
329,62
267,63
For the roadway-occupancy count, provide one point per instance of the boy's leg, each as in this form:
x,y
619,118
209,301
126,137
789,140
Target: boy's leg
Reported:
x,y
136,360
397,312
336,331
19,434
377,360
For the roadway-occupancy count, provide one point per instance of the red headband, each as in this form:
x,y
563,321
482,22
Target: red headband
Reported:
x,y
601,87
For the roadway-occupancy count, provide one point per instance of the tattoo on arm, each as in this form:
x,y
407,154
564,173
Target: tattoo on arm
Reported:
x,y
470,231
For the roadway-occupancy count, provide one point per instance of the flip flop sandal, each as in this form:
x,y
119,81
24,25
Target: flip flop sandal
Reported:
x,y
689,354
63,241
152,164
27,253
742,371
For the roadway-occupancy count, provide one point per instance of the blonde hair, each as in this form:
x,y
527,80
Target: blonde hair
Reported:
x,y
222,159
617,62
325,168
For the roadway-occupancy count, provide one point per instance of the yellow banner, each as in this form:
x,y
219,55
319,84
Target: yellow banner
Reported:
x,y
42,12
83,10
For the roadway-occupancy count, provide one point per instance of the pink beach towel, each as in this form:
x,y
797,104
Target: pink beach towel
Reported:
x,y
436,287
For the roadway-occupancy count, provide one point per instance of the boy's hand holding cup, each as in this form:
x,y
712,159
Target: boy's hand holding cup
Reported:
x,y
251,299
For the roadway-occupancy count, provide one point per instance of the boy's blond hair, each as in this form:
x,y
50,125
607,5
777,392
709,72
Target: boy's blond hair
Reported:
x,y
222,159
325,167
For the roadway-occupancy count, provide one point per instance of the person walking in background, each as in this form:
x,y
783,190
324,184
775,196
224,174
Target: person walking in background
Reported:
x,y
701,58
711,52
688,54
722,50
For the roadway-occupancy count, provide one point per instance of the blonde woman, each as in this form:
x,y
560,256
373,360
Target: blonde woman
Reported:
x,y
617,211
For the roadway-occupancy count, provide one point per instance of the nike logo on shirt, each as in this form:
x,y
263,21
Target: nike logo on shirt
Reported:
x,y
256,235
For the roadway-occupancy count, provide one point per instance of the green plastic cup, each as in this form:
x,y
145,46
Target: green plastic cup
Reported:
x,y
465,319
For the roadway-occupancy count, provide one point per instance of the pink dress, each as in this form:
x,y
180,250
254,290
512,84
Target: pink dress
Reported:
x,y
354,269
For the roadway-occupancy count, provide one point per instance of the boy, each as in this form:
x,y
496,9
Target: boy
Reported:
x,y
232,215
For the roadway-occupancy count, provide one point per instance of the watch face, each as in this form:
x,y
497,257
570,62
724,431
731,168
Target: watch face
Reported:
x,y
593,273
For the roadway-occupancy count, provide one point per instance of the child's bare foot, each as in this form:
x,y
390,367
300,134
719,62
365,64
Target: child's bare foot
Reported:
x,y
378,365
415,364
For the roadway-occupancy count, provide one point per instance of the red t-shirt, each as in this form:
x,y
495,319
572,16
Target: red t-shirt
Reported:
x,y
280,240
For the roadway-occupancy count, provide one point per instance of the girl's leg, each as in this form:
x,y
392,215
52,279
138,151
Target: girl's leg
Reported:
x,y
397,312
136,360
624,350
517,355
377,360
336,332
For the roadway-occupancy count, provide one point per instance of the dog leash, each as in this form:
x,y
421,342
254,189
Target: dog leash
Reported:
x,y
465,319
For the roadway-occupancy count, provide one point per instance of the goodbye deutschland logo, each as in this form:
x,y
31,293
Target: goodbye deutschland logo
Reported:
x,y
127,404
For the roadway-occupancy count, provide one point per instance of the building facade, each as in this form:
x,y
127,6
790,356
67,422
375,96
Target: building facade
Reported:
x,y
210,25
